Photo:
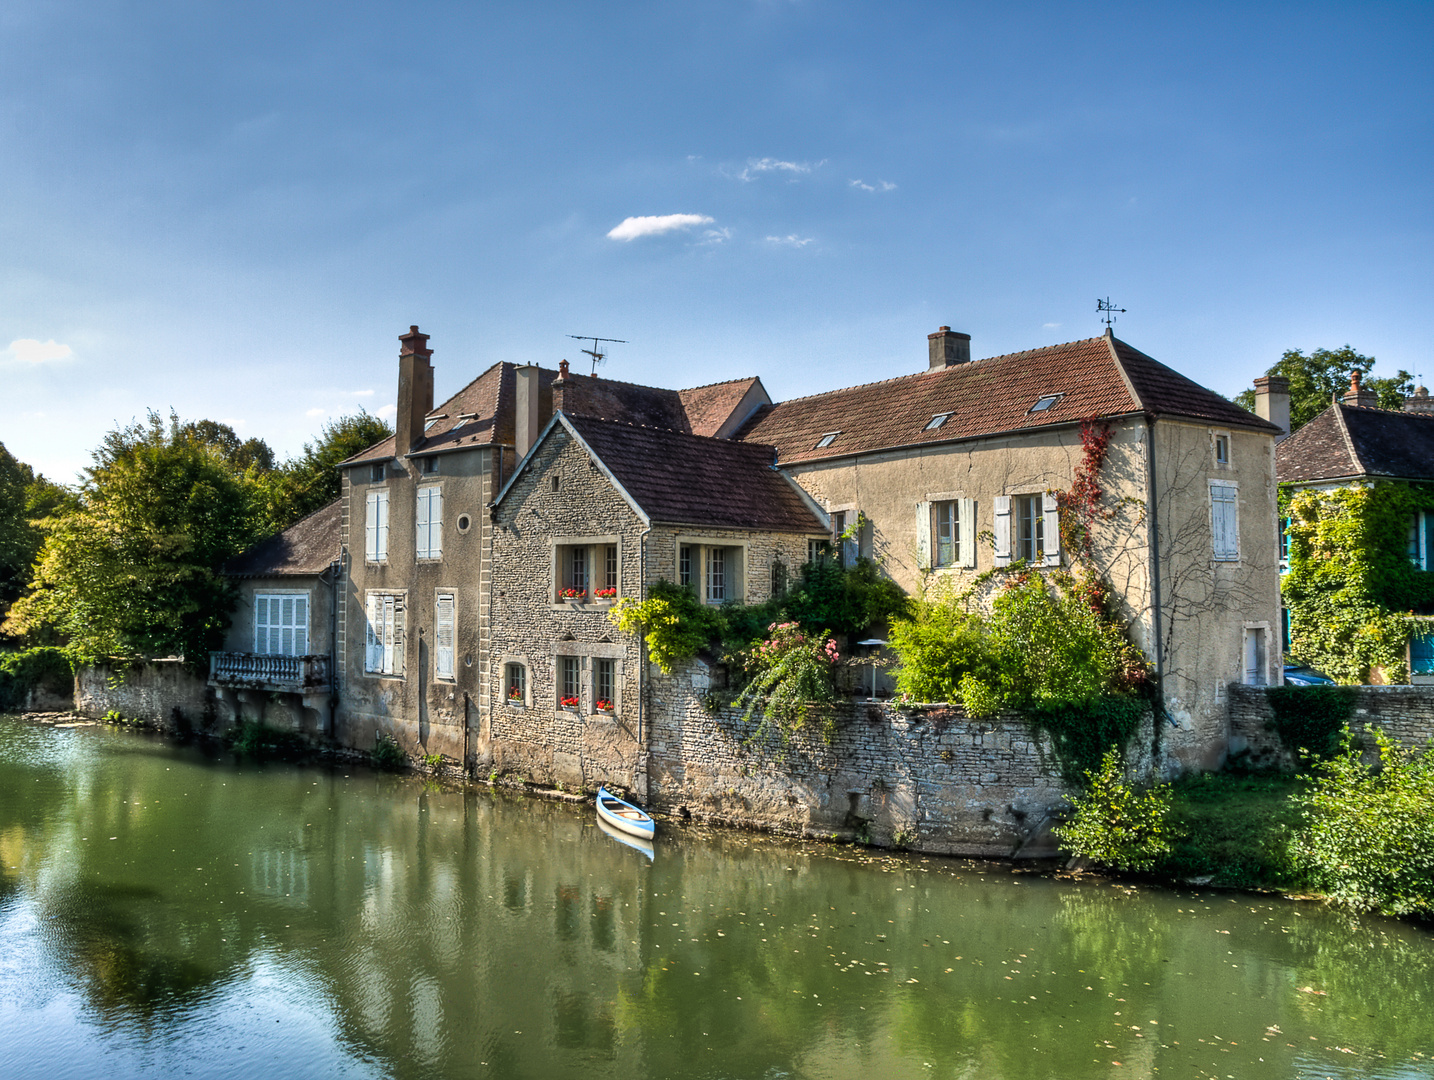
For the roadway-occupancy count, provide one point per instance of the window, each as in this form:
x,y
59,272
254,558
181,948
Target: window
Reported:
x,y
608,589
1030,528
817,549
1047,402
779,578
586,571
1225,521
429,543
375,472
826,440
570,677
1034,535
1222,449
1421,540
1421,649
375,526
443,637
945,532
604,684
281,624
515,684
684,565
384,655
716,575
714,571
1256,667
1285,543
936,421
845,534
430,464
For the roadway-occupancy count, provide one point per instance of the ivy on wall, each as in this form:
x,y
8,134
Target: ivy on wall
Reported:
x,y
1351,584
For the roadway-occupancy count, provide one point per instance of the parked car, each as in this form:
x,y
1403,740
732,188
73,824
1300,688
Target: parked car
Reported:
x,y
1299,675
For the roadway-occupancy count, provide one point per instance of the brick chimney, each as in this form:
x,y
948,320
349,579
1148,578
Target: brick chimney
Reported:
x,y
415,390
529,419
1419,401
562,388
1272,402
1357,395
948,347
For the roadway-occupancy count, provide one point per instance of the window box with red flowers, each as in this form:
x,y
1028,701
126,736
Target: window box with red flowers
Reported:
x,y
574,596
515,697
603,705
568,702
605,594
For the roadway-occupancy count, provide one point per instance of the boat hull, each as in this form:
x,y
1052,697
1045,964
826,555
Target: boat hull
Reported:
x,y
623,816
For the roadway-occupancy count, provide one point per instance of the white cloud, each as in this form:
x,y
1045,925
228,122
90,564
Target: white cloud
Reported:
x,y
315,412
1050,326
715,236
757,166
361,393
39,352
880,185
388,412
790,240
633,227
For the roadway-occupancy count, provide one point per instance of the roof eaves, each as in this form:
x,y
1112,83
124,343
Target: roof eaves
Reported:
x,y
1124,375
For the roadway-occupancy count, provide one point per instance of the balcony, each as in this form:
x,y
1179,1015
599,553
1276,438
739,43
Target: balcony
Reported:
x,y
253,671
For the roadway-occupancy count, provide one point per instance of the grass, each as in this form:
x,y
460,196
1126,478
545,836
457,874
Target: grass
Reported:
x,y
1235,829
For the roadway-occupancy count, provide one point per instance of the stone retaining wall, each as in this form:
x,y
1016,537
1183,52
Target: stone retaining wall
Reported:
x,y
158,692
1404,713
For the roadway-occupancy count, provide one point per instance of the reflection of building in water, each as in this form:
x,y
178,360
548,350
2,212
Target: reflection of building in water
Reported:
x,y
280,872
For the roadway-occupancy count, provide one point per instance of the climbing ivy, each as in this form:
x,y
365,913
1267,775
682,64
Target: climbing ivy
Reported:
x,y
1310,720
1351,584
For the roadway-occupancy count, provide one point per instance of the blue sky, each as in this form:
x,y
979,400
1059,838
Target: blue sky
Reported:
x,y
233,209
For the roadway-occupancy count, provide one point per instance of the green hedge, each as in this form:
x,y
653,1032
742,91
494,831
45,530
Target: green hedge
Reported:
x,y
21,672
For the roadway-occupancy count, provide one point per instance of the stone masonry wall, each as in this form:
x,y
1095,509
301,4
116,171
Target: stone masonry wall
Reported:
x,y
1404,713
152,692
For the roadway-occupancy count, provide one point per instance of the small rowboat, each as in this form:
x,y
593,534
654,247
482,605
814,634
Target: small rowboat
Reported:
x,y
623,815
644,846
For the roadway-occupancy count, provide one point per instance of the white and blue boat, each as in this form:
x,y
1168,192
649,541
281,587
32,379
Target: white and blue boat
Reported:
x,y
623,816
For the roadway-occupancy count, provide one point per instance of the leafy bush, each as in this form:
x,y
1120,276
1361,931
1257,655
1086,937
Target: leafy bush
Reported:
x,y
941,646
1367,841
387,754
1115,824
673,622
791,673
1310,719
1082,734
844,599
21,672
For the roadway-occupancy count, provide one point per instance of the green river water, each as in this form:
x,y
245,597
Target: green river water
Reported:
x,y
166,911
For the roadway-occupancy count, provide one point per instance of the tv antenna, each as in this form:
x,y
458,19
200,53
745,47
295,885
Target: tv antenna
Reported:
x,y
1109,310
597,354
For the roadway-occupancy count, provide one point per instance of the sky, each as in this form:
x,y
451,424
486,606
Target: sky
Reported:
x,y
232,210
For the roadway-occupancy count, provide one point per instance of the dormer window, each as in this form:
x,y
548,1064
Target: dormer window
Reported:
x,y
1048,402
826,440
936,421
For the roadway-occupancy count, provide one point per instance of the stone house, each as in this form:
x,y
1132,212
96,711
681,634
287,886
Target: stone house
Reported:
x,y
597,511
951,472
1355,443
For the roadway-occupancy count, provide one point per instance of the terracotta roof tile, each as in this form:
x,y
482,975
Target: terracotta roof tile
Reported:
x,y
690,480
709,407
1347,440
305,548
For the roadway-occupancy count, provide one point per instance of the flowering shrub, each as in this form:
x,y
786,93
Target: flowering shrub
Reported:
x,y
606,594
604,705
568,702
791,674
572,594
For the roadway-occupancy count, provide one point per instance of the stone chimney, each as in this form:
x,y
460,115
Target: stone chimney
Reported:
x,y
1419,401
529,420
1357,395
415,390
948,347
562,388
1272,402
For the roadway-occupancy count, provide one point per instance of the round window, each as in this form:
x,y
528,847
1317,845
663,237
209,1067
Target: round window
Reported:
x,y
464,521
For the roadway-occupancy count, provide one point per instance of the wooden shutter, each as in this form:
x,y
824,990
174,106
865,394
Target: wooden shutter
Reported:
x,y
443,638
301,626
1003,530
923,536
1051,528
285,627
370,527
1224,524
420,543
261,624
398,625
967,547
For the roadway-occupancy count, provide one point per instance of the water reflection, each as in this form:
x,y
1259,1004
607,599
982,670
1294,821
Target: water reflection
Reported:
x,y
153,898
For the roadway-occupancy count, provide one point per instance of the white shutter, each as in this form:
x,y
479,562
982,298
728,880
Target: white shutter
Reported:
x,y
381,542
373,659
261,624
1224,523
443,635
420,543
1003,530
301,626
435,522
967,549
370,527
399,648
1051,528
286,627
923,536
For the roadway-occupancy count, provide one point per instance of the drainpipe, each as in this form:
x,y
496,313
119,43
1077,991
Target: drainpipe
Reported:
x,y
336,568
1153,517
642,657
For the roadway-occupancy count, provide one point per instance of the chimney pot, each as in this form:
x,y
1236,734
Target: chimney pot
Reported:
x,y
1357,395
1272,402
948,347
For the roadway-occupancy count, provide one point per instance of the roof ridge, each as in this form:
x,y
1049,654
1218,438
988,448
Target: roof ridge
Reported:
x,y
663,430
720,382
311,513
1354,457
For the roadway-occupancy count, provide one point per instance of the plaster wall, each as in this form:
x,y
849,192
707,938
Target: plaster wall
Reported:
x,y
240,635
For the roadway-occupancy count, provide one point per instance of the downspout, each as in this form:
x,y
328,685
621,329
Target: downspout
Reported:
x,y
337,569
1153,516
642,658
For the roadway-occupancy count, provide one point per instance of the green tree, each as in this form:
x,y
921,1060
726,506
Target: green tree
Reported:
x,y
132,568
311,481
24,497
1324,374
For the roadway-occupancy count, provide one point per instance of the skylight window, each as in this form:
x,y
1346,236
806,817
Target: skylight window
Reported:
x,y
1047,402
826,440
937,421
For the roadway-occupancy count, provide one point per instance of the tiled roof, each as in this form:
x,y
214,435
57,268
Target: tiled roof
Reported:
x,y
1100,376
709,407
305,548
682,479
1347,440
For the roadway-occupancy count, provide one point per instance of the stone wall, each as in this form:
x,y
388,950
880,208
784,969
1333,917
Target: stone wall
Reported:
x,y
1404,713
154,692
925,778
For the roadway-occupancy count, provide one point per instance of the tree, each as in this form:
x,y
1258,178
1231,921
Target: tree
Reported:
x,y
311,481
24,498
1324,374
132,568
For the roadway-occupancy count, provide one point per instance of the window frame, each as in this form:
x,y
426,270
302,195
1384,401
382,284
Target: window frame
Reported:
x,y
270,596
1256,637
600,558
596,669
695,552
377,509
566,665
524,681
430,518
389,645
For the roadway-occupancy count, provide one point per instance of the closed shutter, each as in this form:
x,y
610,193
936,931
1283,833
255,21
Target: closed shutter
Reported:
x,y
370,527
1051,529
923,535
420,544
1224,524
261,624
1003,530
285,628
443,636
382,516
968,533
397,665
301,626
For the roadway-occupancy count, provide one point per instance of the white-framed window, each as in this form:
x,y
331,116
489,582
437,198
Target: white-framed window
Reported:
x,y
1225,520
1284,524
281,623
570,681
714,569
375,526
816,549
1028,527
385,637
847,529
1222,449
428,543
1421,540
604,684
716,575
515,684
375,472
445,635
946,531
586,571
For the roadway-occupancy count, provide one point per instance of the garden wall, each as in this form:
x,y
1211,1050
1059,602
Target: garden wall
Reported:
x,y
153,691
926,778
1404,713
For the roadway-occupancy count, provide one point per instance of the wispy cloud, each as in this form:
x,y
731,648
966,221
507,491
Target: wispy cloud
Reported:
x,y
715,236
757,166
633,227
39,352
1050,326
880,185
388,412
361,393
791,240
316,412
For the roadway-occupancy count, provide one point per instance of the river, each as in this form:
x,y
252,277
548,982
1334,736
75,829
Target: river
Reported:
x,y
166,911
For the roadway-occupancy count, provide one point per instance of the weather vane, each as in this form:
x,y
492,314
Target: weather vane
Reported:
x,y
1109,309
597,354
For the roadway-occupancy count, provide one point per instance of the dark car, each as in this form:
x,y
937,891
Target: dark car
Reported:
x,y
1299,675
